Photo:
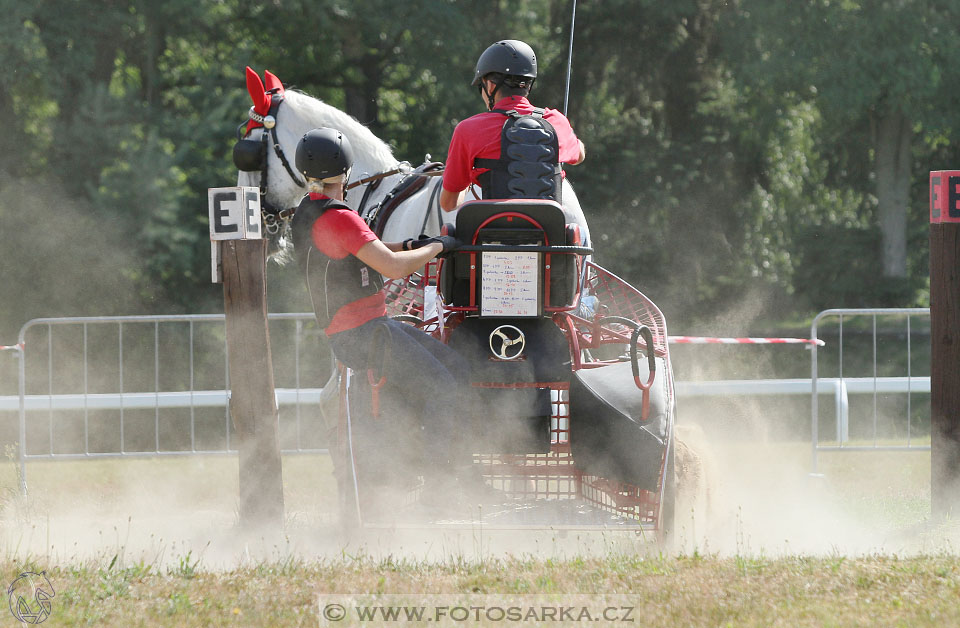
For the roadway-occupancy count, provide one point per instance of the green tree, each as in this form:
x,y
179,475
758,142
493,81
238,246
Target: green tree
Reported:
x,y
668,150
880,71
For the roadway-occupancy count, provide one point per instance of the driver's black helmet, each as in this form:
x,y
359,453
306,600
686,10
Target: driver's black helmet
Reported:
x,y
510,57
323,153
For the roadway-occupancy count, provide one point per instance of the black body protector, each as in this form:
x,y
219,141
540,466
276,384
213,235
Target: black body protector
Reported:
x,y
332,283
529,164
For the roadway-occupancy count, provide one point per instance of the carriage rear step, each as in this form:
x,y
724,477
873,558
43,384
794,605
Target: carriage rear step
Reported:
x,y
568,514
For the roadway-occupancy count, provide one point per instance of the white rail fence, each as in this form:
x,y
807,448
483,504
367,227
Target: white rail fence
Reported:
x,y
896,371
133,386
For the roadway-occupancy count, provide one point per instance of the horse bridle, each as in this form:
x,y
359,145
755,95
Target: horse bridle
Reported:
x,y
251,156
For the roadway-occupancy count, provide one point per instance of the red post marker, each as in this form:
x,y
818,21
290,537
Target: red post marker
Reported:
x,y
944,196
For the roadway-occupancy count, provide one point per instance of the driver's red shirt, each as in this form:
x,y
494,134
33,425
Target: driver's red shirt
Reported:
x,y
338,233
479,136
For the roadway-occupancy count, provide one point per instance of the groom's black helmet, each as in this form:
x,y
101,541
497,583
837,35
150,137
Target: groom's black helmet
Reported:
x,y
323,153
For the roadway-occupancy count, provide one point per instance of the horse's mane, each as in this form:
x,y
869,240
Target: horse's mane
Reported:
x,y
364,142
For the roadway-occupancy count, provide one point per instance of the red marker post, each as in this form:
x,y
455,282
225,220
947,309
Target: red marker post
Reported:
x,y
945,343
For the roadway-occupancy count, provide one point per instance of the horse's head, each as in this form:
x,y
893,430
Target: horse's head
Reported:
x,y
264,155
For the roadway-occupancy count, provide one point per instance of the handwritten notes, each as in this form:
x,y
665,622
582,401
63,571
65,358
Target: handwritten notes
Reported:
x,y
510,284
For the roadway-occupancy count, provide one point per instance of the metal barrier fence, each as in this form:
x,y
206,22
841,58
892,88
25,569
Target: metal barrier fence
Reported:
x,y
133,386
891,369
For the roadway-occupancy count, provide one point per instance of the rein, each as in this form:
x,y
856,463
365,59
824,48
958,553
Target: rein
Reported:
x,y
403,167
398,194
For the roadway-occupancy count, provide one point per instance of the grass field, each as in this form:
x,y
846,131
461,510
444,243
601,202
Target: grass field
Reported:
x,y
154,543
692,590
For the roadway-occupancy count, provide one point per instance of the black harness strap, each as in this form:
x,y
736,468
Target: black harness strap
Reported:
x,y
370,189
408,186
431,204
251,156
275,103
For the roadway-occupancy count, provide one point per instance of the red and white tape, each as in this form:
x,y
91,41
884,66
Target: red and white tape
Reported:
x,y
705,340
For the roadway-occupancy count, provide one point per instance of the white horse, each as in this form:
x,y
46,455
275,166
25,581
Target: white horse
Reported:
x,y
298,113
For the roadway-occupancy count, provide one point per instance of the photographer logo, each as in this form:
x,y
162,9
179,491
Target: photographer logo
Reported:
x,y
29,597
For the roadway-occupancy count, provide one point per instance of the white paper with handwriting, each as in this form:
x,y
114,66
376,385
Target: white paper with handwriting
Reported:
x,y
511,284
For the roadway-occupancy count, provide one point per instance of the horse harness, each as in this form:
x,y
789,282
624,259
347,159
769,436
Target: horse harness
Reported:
x,y
409,185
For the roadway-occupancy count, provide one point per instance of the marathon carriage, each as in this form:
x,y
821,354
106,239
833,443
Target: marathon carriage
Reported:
x,y
572,419
572,423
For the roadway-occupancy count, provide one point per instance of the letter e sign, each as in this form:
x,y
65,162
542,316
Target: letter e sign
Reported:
x,y
944,196
234,213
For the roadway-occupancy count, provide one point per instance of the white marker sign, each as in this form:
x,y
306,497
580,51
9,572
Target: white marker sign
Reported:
x,y
511,284
234,213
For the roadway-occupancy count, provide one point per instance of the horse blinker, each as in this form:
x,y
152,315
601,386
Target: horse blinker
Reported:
x,y
250,155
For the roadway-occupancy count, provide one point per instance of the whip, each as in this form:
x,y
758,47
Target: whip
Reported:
x,y
573,22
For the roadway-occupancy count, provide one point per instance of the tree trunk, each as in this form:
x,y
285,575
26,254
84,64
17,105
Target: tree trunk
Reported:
x,y
893,170
153,45
11,161
361,100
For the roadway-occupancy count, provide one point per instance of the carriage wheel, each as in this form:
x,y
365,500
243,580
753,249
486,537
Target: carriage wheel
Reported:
x,y
668,504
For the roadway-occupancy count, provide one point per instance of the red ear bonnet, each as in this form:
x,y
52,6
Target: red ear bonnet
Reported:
x,y
261,101
258,94
273,82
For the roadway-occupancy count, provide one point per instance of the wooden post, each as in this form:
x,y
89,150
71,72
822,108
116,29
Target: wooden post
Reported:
x,y
239,259
253,404
945,341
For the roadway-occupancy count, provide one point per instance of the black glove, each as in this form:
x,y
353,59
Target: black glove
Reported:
x,y
415,243
449,243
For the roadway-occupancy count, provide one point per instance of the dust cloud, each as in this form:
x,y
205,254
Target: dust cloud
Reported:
x,y
744,467
62,257
735,497
744,485
164,513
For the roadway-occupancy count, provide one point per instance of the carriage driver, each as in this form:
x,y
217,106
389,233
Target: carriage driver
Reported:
x,y
511,130
342,261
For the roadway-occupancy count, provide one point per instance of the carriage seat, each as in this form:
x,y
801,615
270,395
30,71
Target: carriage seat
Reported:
x,y
516,222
